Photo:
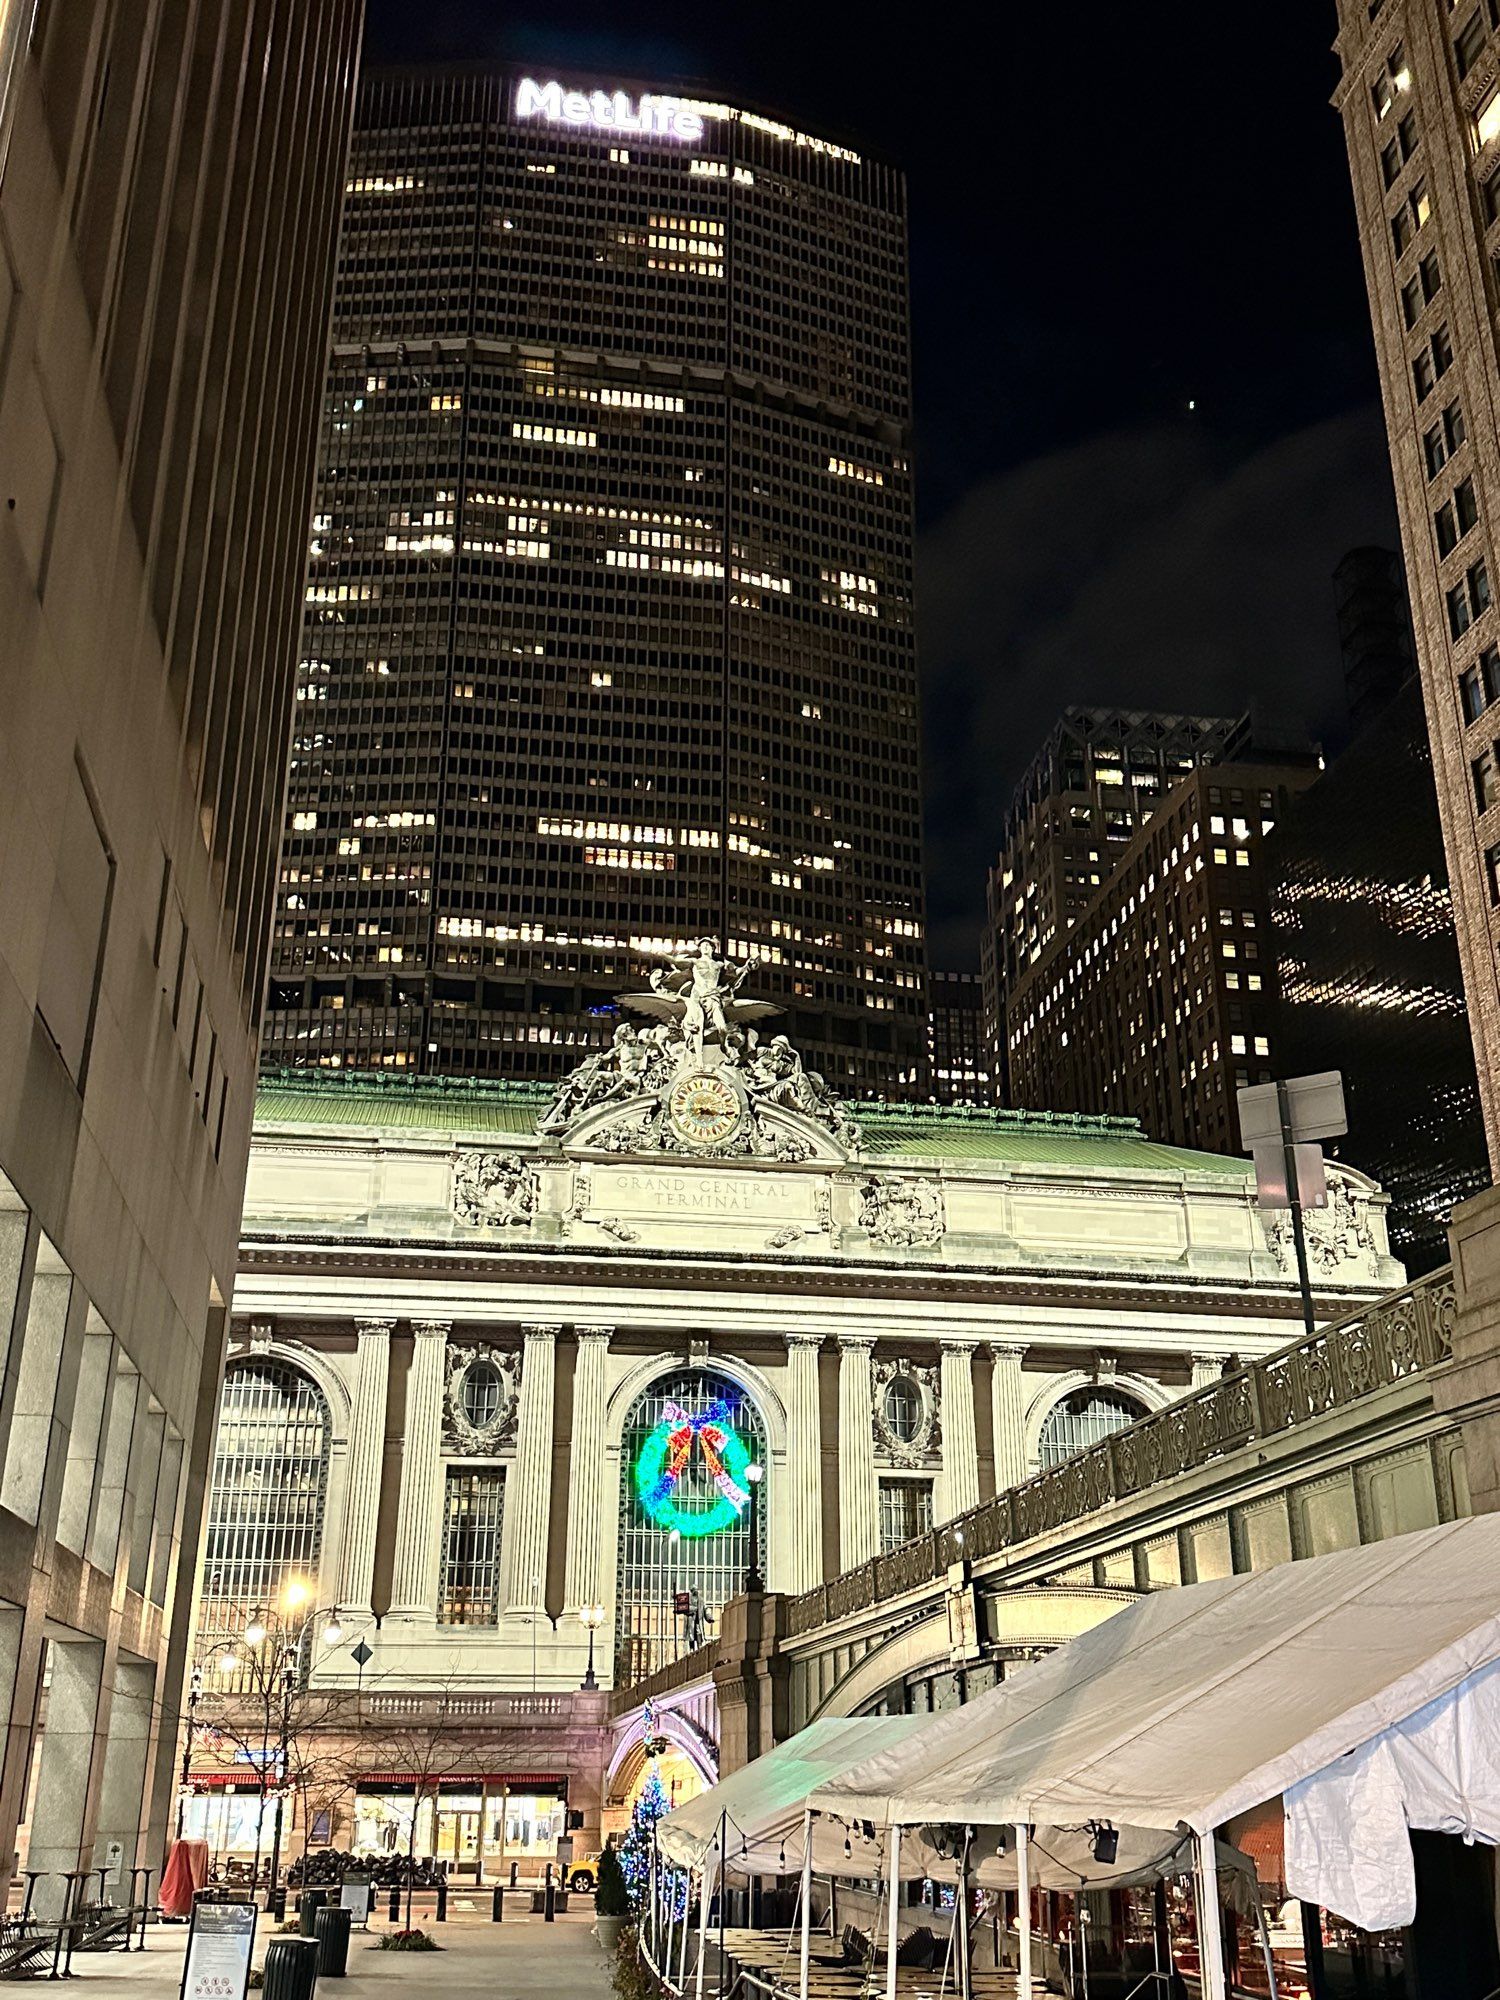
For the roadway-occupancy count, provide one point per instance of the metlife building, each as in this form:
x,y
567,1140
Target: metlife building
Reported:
x,y
609,634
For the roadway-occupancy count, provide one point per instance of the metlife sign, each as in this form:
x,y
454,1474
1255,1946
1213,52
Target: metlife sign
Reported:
x,y
609,111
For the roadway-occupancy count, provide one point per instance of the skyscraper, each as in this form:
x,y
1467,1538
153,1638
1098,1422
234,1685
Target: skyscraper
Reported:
x,y
1160,1000
1362,926
609,639
1420,102
1095,781
169,186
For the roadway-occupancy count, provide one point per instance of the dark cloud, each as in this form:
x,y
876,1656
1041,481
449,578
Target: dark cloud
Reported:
x,y
1151,568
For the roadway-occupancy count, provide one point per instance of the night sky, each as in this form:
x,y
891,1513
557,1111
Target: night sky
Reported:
x,y
1146,403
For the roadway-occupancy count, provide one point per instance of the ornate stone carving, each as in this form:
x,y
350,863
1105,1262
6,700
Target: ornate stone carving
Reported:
x,y
1336,1235
459,1428
700,1080
924,1444
902,1214
492,1190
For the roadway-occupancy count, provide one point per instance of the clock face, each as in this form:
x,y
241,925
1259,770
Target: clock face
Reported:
x,y
704,1109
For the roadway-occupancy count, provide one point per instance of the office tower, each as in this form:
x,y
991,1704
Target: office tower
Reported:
x,y
168,213
1094,782
1420,102
958,1054
609,642
1161,999
1363,927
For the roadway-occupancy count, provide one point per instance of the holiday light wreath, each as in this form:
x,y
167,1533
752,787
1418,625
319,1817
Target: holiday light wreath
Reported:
x,y
667,1451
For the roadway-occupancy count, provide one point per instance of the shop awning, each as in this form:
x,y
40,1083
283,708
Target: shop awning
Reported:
x,y
1361,1686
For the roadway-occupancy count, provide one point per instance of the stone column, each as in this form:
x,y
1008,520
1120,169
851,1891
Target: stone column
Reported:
x,y
528,1493
586,1505
960,1447
414,1587
366,1461
1008,1411
1207,1368
859,1520
804,1469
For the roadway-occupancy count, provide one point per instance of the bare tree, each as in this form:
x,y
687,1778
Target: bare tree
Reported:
x,y
427,1739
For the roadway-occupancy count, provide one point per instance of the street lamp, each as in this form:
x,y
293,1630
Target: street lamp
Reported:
x,y
591,1616
291,1638
754,1474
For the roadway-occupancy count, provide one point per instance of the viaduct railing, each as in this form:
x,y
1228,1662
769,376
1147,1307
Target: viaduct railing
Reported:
x,y
1404,1334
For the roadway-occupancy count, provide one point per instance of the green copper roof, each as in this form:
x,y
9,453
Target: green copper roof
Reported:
x,y
375,1100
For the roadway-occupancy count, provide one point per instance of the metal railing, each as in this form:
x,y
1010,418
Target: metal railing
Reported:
x,y
1404,1334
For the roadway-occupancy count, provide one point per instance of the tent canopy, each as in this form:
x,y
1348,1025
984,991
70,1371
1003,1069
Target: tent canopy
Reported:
x,y
761,1807
1195,1704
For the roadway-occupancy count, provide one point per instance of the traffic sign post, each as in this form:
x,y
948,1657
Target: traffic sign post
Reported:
x,y
1280,1124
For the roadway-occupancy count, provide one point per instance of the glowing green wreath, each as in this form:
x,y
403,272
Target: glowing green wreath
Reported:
x,y
665,1455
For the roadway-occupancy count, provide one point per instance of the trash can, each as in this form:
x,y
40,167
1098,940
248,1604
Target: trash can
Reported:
x,y
291,1968
333,1924
312,1900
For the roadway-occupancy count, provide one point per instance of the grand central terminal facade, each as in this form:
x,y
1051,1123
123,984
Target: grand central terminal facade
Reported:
x,y
524,1386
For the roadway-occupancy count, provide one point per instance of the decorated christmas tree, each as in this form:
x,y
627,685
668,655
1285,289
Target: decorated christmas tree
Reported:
x,y
635,1849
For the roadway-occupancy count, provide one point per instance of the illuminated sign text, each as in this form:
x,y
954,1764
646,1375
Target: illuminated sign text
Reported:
x,y
608,111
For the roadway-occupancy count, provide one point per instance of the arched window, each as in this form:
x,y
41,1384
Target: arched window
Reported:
x,y
688,1447
265,1510
1082,1418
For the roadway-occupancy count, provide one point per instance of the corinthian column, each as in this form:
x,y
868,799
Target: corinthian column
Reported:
x,y
586,1468
528,1494
366,1458
1008,1410
960,1448
859,1524
414,1587
804,1563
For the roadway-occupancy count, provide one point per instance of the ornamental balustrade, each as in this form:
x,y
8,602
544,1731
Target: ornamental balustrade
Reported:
x,y
1402,1335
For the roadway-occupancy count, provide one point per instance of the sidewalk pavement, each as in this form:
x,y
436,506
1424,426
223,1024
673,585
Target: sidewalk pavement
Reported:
x,y
524,1958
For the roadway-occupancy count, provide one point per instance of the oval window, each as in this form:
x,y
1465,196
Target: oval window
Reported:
x,y
482,1391
904,1407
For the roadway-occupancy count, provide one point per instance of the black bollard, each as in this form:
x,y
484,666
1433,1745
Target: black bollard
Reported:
x,y
442,1900
395,1908
549,1910
497,1903
515,1873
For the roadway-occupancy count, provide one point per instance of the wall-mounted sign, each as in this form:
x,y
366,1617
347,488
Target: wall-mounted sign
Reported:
x,y
608,110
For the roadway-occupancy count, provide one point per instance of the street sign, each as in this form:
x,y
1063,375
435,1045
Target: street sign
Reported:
x,y
361,1654
220,1942
682,1602
1314,1107
1270,1175
114,1861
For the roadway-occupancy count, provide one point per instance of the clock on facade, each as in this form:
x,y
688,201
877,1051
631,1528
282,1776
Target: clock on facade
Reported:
x,y
704,1109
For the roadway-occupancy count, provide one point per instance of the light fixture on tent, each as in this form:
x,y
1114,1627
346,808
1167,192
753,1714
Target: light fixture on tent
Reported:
x,y
1106,1841
848,1847
783,1857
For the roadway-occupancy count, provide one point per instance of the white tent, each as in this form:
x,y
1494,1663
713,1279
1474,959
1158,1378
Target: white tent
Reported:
x,y
1361,1685
760,1809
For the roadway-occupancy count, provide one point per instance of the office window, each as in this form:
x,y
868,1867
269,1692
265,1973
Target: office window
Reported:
x,y
1430,273
1471,693
1391,162
1492,870
1465,506
1478,580
1469,43
1442,351
1459,616
1486,781
1486,117
1444,528
1411,302
1435,449
1422,375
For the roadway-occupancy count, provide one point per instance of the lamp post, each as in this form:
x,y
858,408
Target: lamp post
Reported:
x,y
227,1660
591,1616
754,1474
290,1642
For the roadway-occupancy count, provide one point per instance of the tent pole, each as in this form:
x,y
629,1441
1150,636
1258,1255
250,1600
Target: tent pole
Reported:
x,y
961,1915
1023,1909
687,1927
893,1921
704,1892
1265,1942
806,1949
1210,1931
648,1926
